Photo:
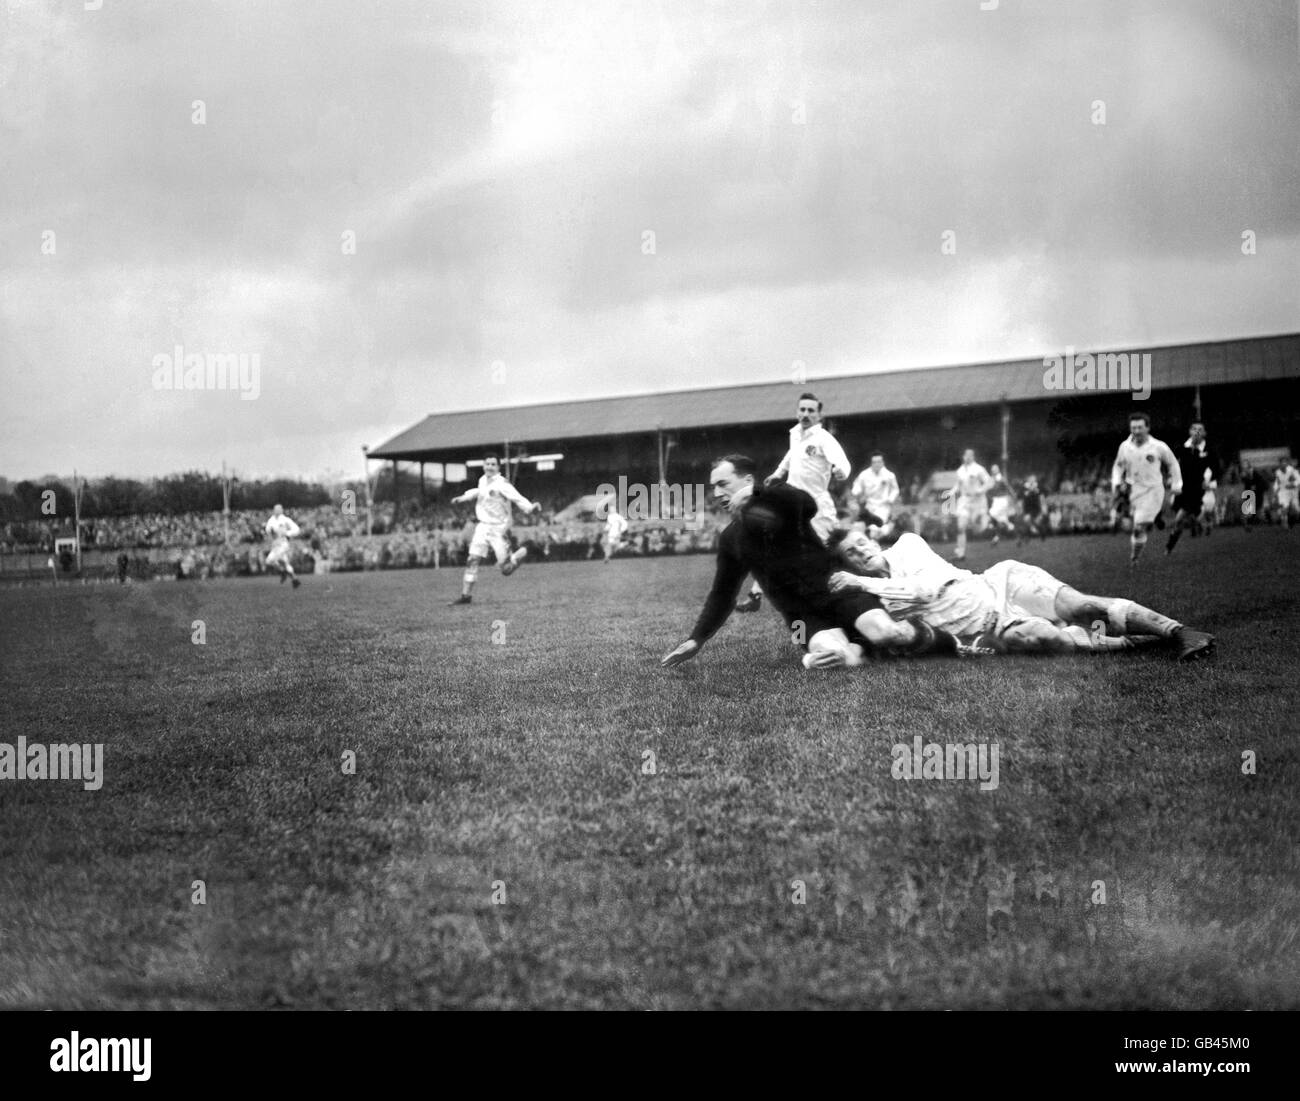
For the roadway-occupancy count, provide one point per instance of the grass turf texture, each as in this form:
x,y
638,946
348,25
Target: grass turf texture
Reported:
x,y
520,762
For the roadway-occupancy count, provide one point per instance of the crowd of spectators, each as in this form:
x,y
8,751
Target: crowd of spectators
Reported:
x,y
1077,498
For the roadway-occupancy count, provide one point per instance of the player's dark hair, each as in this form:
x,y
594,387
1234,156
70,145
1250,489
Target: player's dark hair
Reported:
x,y
808,396
1135,416
837,536
742,464
876,455
491,458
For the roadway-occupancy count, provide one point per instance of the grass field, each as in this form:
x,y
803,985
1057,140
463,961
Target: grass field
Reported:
x,y
505,744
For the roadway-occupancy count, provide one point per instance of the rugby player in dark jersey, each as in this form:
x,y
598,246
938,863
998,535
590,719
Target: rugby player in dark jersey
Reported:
x,y
771,537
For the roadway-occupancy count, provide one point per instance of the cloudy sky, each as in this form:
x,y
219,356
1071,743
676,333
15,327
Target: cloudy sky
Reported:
x,y
555,200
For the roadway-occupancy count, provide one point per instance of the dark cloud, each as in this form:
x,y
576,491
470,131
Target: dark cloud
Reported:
x,y
499,165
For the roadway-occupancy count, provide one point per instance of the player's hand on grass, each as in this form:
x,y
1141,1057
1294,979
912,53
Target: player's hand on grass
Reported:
x,y
684,652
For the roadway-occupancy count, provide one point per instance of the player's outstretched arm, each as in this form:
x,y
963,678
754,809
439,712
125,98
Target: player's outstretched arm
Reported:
x,y
684,652
780,473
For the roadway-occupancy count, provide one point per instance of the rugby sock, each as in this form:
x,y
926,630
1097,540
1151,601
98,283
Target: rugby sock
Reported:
x,y
1139,541
467,582
1143,621
1173,538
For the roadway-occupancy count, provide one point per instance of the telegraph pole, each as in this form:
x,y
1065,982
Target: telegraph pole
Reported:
x,y
370,497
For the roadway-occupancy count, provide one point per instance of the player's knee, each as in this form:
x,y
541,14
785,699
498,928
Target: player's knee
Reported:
x,y
878,628
1071,604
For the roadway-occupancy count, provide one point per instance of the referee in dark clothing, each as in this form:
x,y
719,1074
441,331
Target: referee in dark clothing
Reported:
x,y
1199,464
771,537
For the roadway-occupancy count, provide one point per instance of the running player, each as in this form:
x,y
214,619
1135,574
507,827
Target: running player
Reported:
x,y
1012,605
875,490
814,460
1142,465
1286,491
1031,511
969,500
615,526
281,529
999,504
1198,465
492,500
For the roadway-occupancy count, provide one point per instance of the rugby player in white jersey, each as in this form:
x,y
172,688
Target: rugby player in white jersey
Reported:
x,y
969,497
1286,491
615,526
875,490
281,529
1142,465
814,460
771,537
492,499
1011,606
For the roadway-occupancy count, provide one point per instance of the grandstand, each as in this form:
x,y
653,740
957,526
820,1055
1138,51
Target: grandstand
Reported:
x,y
1246,389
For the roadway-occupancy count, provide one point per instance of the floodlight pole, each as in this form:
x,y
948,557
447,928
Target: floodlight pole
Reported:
x,y
225,503
1006,426
76,515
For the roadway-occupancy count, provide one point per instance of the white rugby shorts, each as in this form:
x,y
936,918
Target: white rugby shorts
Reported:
x,y
1146,503
490,537
1022,591
279,552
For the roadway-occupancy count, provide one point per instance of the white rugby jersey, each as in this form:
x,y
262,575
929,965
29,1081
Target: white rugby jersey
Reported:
x,y
492,499
922,583
813,457
281,527
973,481
615,525
876,489
1288,478
1146,467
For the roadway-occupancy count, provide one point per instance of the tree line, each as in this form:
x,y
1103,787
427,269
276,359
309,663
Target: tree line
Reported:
x,y
192,491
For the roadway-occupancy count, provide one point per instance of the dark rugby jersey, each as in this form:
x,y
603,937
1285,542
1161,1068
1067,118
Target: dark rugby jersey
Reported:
x,y
772,538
